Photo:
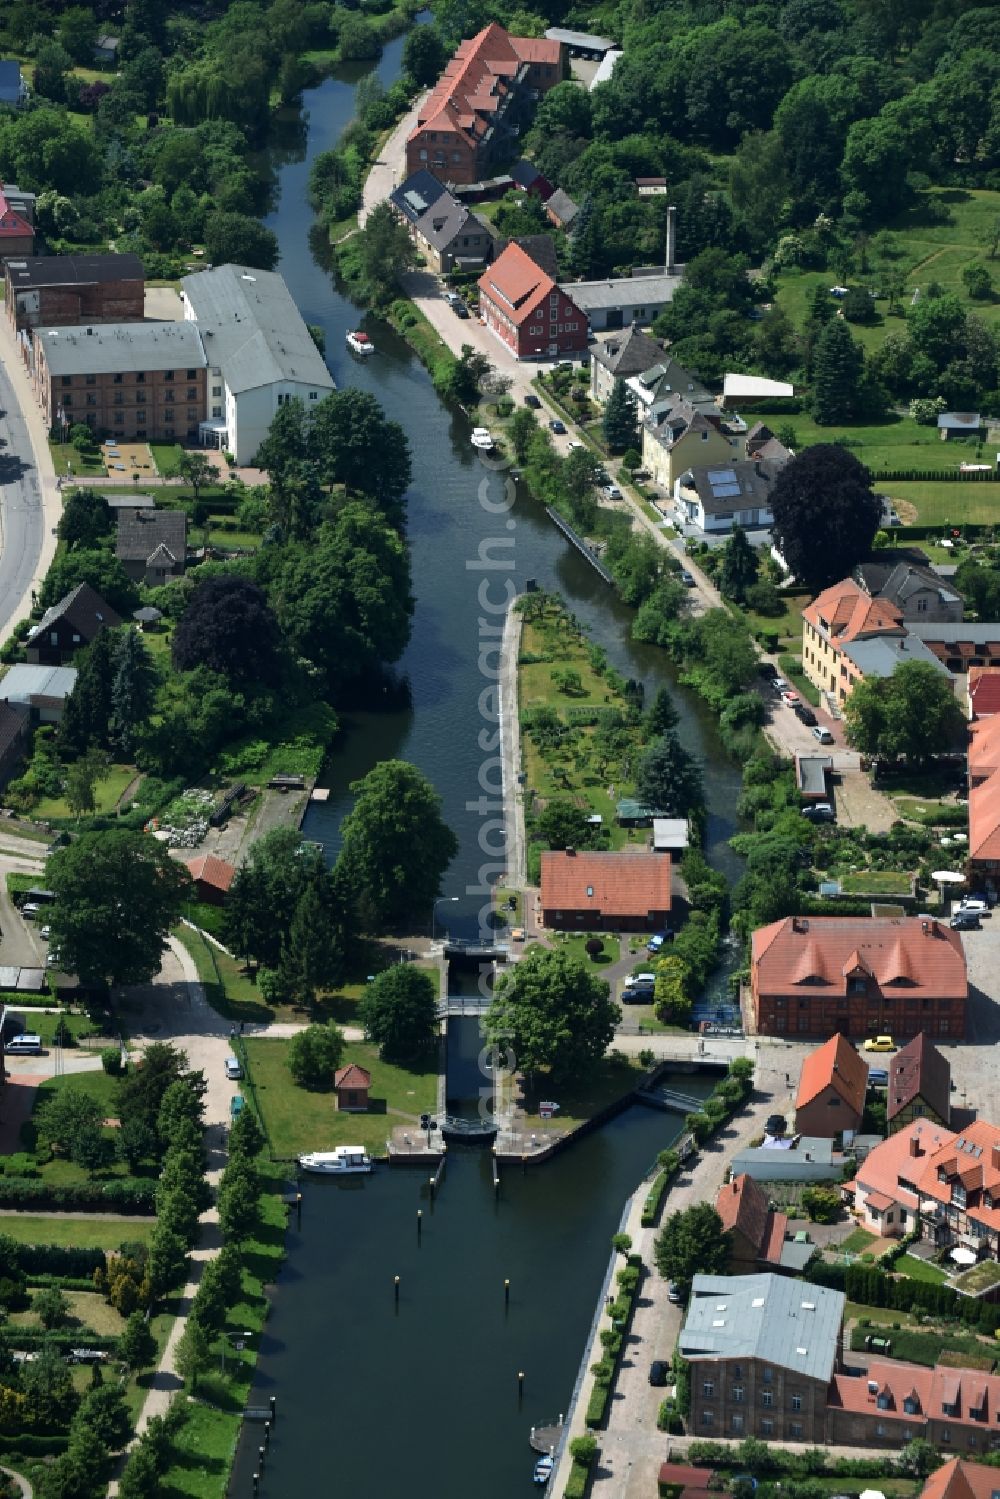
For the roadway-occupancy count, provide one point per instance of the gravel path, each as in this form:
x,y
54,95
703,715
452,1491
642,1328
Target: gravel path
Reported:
x,y
510,750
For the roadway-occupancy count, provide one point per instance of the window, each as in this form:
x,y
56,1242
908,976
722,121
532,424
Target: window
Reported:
x,y
883,1402
796,1402
192,374
314,395
423,156
704,437
140,431
767,1399
946,1433
708,1389
737,1373
794,1430
216,410
140,378
456,156
168,374
768,1374
707,1417
192,392
880,1428
91,400
170,395
857,986
738,1394
119,398
119,418
67,400
216,390
91,379
766,1426
119,379
737,1424
67,380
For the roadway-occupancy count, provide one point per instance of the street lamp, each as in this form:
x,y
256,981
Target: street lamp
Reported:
x,y
440,900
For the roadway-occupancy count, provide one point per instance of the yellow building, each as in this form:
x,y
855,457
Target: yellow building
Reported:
x,y
684,438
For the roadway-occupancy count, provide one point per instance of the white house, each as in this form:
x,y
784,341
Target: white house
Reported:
x,y
718,498
260,354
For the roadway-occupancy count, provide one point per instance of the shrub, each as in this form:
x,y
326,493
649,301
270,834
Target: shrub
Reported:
x,y
111,1060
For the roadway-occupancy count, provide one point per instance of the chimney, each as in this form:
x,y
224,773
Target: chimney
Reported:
x,y
671,239
571,852
995,1157
915,1150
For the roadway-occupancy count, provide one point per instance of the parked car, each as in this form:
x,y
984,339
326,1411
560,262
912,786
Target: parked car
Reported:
x,y
823,735
820,812
674,1292
573,443
557,426
965,921
779,684
611,490
880,1043
657,940
767,669
30,910
659,1370
459,309
977,903
233,1069
805,715
532,401
638,994
45,933
452,297
775,1124
878,1077
688,579
790,697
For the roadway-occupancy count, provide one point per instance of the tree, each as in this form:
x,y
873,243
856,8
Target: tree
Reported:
x,y
82,778
196,469
355,444
228,626
739,566
424,55
239,1200
838,364
238,239
399,1011
133,690
396,846
669,778
118,894
913,714
692,1242
52,63
137,1346
100,569
670,995
825,514
621,418
662,716
312,958
168,1259
553,1013
71,1122
267,892
245,1136
822,1204
104,1412
918,1458
384,247
51,1308
88,707
314,1055
86,519
180,1105
194,1352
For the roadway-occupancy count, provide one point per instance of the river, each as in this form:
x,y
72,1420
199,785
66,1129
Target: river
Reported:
x,y
422,1400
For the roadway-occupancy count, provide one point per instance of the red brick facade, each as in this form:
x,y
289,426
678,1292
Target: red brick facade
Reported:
x,y
66,291
527,311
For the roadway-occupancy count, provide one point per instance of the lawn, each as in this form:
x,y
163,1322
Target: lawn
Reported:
x,y
791,667
929,1348
87,1309
945,504
69,460
876,882
297,1120
165,457
581,1100
915,1269
78,1233
78,1026
107,794
896,442
857,1241
979,1278
576,946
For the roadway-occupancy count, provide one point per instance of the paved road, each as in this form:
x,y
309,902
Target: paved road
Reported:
x,y
390,169
29,500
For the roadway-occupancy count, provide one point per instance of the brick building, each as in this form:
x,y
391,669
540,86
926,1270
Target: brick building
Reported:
x,y
893,1403
919,1085
588,892
762,1351
483,99
60,291
68,626
860,975
134,380
523,307
832,1087
758,1234
17,230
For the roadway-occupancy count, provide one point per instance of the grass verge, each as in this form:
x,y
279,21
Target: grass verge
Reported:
x,y
80,1233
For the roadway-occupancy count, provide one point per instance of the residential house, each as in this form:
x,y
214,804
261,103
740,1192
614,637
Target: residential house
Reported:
x,y
893,1403
762,1351
259,352
15,737
848,635
480,104
43,690
685,438
619,356
525,175
832,1087
622,891
639,298
212,877
790,1158
451,237
139,381
67,626
525,309
958,1479
13,88
983,688
106,48
859,975
888,1187
17,232
984,750
412,198
919,1085
758,1233
716,500
560,209
351,1085
679,1481
541,248
61,291
984,832
654,389
959,424
917,592
651,187
151,545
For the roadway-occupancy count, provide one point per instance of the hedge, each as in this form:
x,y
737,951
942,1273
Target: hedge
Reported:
x,y
61,1340
870,1286
654,1197
621,1315
53,1260
38,1282
122,1195
25,1444
576,1484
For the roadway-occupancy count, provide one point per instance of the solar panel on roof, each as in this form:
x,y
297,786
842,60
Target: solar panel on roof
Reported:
x,y
725,491
721,476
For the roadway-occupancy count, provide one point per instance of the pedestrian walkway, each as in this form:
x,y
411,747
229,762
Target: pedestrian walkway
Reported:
x,y
510,751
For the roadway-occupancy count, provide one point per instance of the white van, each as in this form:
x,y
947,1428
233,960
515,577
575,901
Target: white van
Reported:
x,y
233,1069
26,1044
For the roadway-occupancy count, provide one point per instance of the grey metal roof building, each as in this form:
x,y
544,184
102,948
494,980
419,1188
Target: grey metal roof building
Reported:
x,y
69,270
580,41
623,300
786,1323
22,683
879,656
252,329
117,348
416,195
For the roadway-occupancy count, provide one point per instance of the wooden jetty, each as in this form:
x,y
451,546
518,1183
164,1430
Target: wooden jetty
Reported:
x,y
546,1439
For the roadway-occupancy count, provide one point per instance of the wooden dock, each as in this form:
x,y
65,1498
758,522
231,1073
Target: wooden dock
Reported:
x,y
546,1439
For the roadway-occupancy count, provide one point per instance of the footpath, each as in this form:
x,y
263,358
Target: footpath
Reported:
x,y
631,1448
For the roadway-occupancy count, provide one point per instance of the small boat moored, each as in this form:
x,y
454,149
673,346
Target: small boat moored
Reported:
x,y
346,1159
543,1469
482,439
360,343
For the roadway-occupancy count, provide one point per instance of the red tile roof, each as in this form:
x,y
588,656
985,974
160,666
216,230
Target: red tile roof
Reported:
x,y
845,612
984,820
743,1207
810,953
688,1478
919,1070
211,870
12,224
835,1065
613,884
984,690
984,747
515,284
476,77
962,1480
352,1076
972,1158
931,1389
882,1167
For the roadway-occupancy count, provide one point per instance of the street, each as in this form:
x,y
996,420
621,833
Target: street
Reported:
x,y
29,500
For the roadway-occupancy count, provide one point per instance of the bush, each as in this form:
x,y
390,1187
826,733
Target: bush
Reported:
x,y
121,1195
111,1060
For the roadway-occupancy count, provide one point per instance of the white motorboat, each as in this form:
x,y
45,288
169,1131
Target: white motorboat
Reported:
x,y
543,1469
360,343
482,439
345,1160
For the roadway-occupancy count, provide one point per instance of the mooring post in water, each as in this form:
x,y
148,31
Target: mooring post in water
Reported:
x,y
274,1410
520,1385
420,1223
506,1294
260,1459
267,1433
432,1185
395,1288
298,1209
256,1483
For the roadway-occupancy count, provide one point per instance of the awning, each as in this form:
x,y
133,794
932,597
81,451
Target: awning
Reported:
x,y
963,1256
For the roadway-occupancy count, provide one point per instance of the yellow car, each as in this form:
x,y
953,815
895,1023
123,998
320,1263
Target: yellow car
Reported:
x,y
880,1043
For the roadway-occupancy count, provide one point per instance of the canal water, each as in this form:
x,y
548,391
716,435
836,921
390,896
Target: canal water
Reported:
x,y
421,1400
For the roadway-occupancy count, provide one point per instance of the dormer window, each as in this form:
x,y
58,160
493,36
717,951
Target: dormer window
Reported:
x,y
911,1406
